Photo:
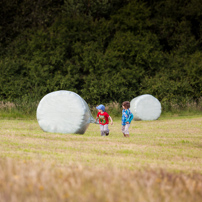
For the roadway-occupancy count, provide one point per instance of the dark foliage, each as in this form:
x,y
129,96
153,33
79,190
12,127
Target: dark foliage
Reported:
x,y
104,50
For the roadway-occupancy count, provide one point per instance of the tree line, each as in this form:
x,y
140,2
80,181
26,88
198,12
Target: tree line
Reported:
x,y
104,50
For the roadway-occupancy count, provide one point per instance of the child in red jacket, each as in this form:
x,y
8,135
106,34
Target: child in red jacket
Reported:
x,y
103,120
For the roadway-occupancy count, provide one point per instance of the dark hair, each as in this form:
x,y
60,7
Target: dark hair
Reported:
x,y
126,104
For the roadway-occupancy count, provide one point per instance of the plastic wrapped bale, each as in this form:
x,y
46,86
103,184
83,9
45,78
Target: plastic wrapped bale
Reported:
x,y
145,107
64,112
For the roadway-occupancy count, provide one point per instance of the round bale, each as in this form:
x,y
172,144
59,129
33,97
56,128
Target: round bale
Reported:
x,y
145,107
63,112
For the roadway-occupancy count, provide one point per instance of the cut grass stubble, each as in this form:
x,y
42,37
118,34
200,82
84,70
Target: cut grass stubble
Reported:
x,y
174,144
158,157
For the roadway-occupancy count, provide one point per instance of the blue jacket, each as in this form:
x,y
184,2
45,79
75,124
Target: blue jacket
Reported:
x,y
127,116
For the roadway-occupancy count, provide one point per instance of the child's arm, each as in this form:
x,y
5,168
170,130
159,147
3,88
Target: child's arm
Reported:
x,y
111,120
97,117
130,118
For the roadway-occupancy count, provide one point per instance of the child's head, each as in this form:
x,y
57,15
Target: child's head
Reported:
x,y
126,104
100,108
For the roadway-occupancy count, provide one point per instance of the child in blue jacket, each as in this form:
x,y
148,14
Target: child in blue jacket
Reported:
x,y
127,117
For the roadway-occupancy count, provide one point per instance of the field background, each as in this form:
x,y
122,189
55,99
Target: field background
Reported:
x,y
161,161
106,51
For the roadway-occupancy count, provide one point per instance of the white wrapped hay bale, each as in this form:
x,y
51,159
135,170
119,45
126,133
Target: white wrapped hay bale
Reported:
x,y
145,107
64,112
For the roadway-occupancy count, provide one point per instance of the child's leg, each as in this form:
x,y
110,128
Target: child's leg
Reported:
x,y
106,130
102,130
127,130
123,130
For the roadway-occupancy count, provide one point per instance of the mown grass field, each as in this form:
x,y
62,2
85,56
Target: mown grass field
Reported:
x,y
161,161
